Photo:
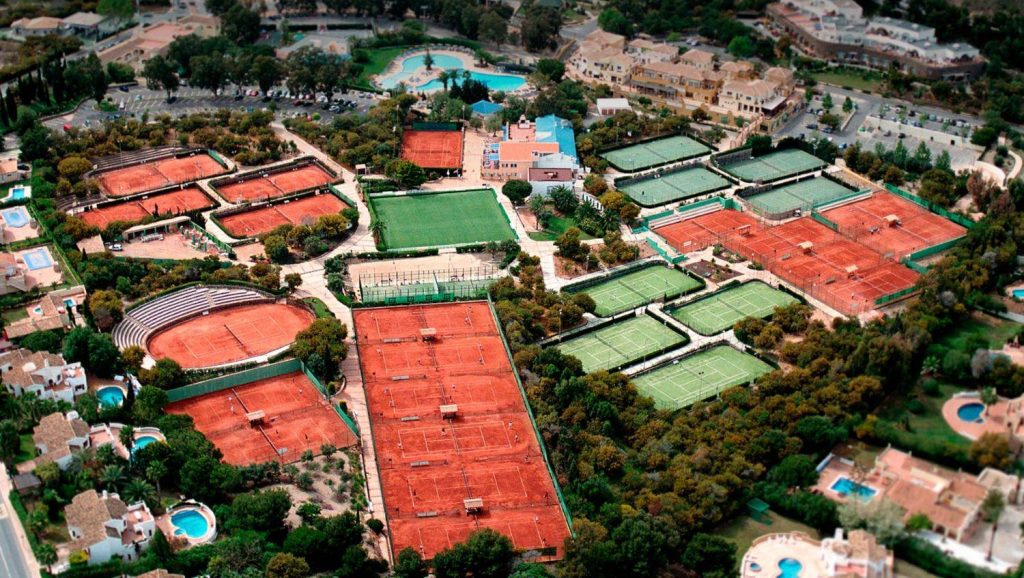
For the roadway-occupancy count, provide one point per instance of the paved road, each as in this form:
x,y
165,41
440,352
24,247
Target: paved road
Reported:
x,y
12,559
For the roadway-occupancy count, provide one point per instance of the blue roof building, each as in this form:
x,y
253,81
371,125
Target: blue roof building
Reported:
x,y
551,128
486,107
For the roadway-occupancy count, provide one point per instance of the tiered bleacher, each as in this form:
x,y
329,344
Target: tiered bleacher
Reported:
x,y
140,322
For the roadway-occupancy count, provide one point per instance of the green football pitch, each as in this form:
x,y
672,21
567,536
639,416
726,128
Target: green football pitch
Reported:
x,y
677,186
774,166
722,310
621,343
639,288
440,219
654,153
699,376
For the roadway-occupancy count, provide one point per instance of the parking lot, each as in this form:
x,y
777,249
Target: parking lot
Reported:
x,y
135,101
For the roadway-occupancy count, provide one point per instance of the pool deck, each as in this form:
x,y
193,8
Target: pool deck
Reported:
x,y
423,76
15,234
842,468
999,418
763,557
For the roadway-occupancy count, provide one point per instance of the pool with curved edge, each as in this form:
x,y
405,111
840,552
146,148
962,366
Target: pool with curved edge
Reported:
x,y
191,523
110,396
790,568
141,442
414,65
971,412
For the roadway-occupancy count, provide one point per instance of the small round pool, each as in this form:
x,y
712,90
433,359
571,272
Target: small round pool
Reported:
x,y
110,396
191,523
971,412
755,567
790,568
141,442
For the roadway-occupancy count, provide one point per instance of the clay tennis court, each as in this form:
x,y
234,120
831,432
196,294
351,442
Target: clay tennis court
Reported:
x,y
159,173
918,228
304,211
229,335
170,203
296,419
484,447
433,149
258,186
839,271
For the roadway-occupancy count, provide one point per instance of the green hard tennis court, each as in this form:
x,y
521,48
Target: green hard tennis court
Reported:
x,y
440,219
476,288
803,195
621,343
638,288
699,376
676,186
654,153
774,166
720,311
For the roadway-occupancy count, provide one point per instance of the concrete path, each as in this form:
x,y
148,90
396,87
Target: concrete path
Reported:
x,y
16,557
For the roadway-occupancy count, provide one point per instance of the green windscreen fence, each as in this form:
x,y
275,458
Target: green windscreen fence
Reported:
x,y
895,296
440,126
323,390
821,219
337,192
234,380
958,219
217,157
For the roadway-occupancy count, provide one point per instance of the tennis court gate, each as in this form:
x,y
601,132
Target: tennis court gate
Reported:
x,y
427,286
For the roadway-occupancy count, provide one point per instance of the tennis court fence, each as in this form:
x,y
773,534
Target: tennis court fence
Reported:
x,y
941,211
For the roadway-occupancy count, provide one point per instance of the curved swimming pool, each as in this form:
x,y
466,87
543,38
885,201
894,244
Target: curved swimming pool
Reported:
x,y
413,67
971,412
190,523
790,568
141,442
110,396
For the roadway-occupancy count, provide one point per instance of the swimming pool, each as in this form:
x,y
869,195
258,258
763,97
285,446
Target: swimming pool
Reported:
x,y
141,442
790,568
971,412
413,67
36,259
190,523
16,217
17,193
845,486
110,396
1018,293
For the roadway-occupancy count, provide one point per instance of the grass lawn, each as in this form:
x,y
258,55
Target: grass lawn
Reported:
x,y
27,449
925,429
441,219
556,226
380,58
319,307
744,530
996,331
869,82
12,315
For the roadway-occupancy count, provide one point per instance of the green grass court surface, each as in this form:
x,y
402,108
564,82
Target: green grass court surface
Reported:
x,y
674,186
774,166
722,310
638,288
699,376
802,195
621,343
654,153
439,219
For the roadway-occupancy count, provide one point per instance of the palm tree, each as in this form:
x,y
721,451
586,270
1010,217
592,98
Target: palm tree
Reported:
x,y
111,477
377,227
991,509
988,397
127,438
140,491
46,554
155,472
445,76
428,61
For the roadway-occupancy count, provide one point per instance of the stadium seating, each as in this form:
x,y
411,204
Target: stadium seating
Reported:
x,y
166,310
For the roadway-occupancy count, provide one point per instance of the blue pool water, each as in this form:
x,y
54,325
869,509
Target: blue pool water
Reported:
x,y
36,259
846,486
189,522
110,396
141,442
790,568
1018,293
16,217
414,66
17,193
971,412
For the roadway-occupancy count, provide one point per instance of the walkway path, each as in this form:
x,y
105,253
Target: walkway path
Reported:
x,y
16,558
